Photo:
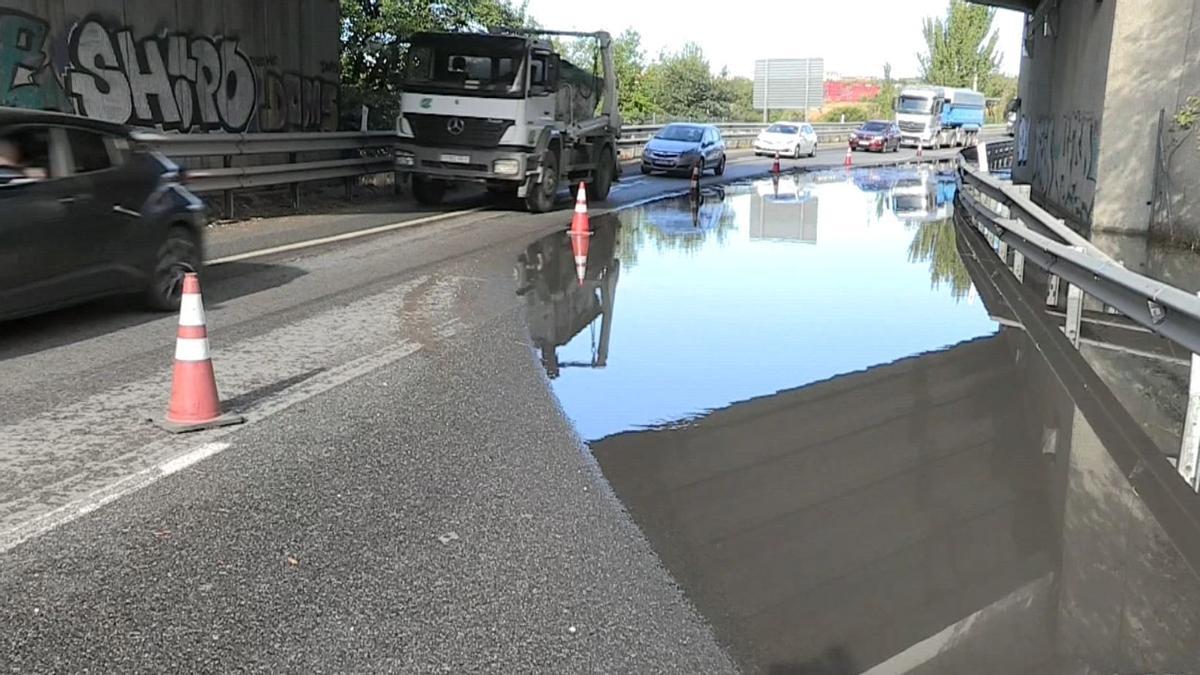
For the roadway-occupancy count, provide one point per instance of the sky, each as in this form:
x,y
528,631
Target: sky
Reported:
x,y
855,37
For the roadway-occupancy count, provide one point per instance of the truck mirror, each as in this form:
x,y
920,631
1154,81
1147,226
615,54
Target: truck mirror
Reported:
x,y
552,72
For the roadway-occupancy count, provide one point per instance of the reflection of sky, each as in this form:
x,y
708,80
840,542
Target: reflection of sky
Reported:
x,y
738,318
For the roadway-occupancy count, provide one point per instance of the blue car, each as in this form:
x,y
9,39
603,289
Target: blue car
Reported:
x,y
679,148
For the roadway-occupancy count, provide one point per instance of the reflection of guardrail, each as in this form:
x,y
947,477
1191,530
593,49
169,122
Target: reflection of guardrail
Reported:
x,y
1019,231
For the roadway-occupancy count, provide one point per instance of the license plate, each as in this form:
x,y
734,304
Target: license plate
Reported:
x,y
456,159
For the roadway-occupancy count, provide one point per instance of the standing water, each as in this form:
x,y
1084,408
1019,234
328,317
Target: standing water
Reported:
x,y
850,458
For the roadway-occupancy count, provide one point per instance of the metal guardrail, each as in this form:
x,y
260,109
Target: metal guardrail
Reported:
x,y
363,153
1013,224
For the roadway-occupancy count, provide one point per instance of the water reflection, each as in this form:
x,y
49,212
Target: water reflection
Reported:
x,y
847,469
726,306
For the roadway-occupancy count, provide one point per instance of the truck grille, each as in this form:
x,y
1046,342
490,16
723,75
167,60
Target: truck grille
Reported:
x,y
475,131
912,127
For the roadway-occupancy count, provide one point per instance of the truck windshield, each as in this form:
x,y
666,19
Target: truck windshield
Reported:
x,y
477,63
913,104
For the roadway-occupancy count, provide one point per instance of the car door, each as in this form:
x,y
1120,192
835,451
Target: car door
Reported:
x,y
38,251
811,136
110,202
718,145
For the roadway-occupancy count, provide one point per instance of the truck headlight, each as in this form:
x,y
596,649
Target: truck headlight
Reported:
x,y
506,167
404,158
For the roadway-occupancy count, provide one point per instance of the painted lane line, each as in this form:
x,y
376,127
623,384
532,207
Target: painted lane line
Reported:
x,y
128,485
321,241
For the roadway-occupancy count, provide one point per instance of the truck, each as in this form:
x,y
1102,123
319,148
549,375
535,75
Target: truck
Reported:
x,y
939,116
506,110
924,196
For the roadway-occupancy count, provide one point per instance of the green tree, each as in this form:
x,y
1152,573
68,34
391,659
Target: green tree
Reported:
x,y
739,91
885,101
960,49
373,44
681,85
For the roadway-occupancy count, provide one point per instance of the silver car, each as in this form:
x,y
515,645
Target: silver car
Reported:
x,y
679,148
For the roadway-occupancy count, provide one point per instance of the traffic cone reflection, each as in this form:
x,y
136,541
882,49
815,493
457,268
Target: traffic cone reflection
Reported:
x,y
581,232
195,404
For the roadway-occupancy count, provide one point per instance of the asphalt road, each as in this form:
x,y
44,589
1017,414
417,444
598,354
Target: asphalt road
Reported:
x,y
407,495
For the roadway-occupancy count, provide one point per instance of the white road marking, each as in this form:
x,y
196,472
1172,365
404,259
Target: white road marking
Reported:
x,y
344,237
132,483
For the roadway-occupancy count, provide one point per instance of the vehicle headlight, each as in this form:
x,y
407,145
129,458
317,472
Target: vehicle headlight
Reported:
x,y
506,167
853,136
404,158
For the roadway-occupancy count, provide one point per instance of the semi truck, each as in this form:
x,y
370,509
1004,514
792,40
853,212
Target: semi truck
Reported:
x,y
506,110
939,116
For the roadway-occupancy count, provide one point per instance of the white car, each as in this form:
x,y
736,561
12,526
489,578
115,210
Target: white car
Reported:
x,y
794,139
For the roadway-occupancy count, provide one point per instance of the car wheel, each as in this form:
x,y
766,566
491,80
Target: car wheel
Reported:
x,y
179,254
602,177
813,151
539,197
720,170
645,170
796,154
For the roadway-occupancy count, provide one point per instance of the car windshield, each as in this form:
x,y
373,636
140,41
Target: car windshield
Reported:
x,y
477,64
875,126
913,104
681,132
783,129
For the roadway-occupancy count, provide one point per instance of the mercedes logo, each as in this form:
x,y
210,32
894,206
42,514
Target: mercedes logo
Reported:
x,y
455,125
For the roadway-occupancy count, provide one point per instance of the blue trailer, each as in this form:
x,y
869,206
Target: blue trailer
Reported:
x,y
939,116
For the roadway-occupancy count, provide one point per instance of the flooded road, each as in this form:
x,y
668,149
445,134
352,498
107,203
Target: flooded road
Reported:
x,y
851,449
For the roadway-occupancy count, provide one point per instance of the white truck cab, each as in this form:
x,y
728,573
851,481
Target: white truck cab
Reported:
x,y
507,111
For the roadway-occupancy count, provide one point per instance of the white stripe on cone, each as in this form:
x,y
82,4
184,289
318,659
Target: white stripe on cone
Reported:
x,y
191,310
191,349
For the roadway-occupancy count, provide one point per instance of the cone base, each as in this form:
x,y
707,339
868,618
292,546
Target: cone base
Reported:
x,y
184,427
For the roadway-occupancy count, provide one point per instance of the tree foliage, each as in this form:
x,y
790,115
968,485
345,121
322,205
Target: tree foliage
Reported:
x,y
960,49
682,85
373,41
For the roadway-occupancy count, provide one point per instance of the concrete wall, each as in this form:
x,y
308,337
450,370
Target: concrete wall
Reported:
x,y
1063,79
179,65
1092,91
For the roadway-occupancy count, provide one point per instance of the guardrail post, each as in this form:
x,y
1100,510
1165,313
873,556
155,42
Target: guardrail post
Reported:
x,y
1018,266
1074,314
1189,450
1052,292
227,197
295,187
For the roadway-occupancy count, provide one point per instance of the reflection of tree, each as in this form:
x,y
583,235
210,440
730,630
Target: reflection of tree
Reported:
x,y
668,227
934,243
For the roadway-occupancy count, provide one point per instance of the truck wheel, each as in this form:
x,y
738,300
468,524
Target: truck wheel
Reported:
x,y
602,177
428,191
539,198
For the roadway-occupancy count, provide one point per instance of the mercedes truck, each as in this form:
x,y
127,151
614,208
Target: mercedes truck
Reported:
x,y
938,117
506,110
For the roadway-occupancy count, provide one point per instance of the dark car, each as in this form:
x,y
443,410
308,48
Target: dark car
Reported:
x,y
876,135
89,211
678,148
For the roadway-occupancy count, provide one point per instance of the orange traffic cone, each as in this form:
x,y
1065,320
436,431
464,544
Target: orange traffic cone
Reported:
x,y
849,161
581,231
775,166
194,404
696,179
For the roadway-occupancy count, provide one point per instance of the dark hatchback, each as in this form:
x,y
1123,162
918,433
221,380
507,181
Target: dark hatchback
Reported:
x,y
89,211
877,135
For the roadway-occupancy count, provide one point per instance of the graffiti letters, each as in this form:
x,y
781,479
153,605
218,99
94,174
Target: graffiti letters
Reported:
x,y
1065,153
27,79
175,81
172,81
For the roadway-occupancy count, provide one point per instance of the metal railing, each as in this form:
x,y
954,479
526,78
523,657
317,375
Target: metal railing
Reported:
x,y
1019,231
354,154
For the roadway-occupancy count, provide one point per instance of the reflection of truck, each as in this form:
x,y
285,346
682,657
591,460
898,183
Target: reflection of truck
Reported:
x,y
558,305
939,116
923,196
505,110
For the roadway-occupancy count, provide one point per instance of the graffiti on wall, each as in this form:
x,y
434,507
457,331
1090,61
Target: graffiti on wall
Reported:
x,y
172,81
27,77
1065,152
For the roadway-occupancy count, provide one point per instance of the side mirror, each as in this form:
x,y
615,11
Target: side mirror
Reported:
x,y
552,72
